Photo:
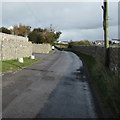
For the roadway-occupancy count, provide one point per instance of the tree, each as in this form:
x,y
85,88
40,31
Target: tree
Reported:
x,y
48,37
33,37
21,30
39,35
5,30
38,30
36,36
57,35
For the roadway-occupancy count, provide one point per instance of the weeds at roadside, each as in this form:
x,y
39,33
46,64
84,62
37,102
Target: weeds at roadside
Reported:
x,y
106,82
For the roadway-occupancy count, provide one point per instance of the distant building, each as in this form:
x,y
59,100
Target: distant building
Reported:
x,y
62,42
99,42
115,41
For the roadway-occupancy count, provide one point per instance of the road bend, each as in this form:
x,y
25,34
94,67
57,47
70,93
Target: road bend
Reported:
x,y
55,87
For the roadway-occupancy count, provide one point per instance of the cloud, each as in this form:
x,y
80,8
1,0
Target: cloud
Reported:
x,y
76,20
88,34
78,34
57,0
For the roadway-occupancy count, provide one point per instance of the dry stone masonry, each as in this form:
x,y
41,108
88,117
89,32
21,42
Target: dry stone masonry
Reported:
x,y
99,53
15,47
13,37
41,48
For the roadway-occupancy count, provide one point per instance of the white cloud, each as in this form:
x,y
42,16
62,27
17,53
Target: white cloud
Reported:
x,y
58,0
78,34
76,20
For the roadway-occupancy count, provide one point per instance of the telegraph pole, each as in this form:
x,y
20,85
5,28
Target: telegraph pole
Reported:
x,y
105,23
105,27
50,27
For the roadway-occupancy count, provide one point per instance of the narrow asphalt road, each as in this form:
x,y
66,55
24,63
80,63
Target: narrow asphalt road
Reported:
x,y
55,87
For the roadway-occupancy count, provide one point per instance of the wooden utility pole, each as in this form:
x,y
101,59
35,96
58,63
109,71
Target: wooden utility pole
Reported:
x,y
50,27
105,23
105,27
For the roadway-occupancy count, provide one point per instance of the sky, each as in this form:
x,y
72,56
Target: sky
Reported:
x,y
76,20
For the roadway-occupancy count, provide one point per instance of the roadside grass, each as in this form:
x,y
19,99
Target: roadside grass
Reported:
x,y
61,45
12,65
115,45
106,82
51,51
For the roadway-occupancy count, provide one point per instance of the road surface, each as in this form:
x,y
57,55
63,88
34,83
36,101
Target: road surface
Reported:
x,y
55,87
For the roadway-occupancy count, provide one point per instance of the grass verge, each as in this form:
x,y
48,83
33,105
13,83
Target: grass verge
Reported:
x,y
51,51
61,45
105,81
12,65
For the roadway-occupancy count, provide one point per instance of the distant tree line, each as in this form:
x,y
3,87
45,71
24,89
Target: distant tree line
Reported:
x,y
37,35
83,42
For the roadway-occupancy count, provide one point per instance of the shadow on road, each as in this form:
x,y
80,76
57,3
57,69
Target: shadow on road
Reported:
x,y
37,70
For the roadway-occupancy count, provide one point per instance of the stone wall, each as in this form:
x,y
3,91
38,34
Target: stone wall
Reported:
x,y
99,53
41,48
13,37
115,60
94,51
13,47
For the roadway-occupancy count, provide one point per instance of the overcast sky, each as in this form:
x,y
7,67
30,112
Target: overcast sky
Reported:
x,y
76,20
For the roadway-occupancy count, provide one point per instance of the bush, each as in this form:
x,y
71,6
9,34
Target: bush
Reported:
x,y
85,42
5,30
